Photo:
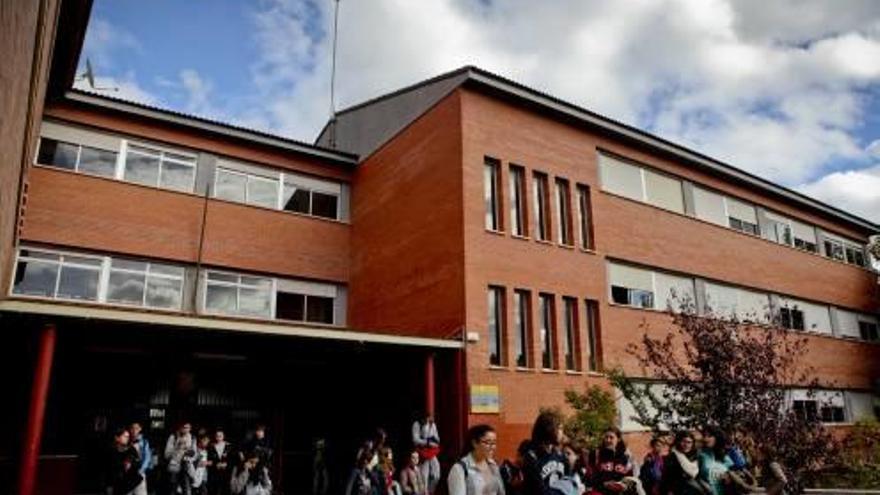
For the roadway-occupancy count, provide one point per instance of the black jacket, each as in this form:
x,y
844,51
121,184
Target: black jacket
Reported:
x,y
542,472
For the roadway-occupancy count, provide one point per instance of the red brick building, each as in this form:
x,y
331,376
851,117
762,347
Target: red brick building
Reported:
x,y
466,245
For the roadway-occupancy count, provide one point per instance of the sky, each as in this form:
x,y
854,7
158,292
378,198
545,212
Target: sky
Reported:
x,y
785,89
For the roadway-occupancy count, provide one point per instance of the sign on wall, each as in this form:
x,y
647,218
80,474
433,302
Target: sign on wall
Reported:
x,y
485,399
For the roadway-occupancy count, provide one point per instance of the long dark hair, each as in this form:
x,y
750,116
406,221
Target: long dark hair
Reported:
x,y
720,448
620,447
544,431
474,435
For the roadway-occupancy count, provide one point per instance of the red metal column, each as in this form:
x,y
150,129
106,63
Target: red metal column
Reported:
x,y
429,384
37,409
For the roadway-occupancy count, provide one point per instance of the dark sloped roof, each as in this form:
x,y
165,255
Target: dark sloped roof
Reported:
x,y
474,77
212,126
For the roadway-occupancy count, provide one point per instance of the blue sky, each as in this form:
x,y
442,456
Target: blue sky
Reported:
x,y
795,99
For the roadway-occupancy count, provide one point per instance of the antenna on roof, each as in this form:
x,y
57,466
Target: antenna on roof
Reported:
x,y
89,76
332,124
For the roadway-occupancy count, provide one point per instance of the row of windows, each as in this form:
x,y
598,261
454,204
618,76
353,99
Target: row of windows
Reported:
x,y
155,166
520,209
556,349
643,288
147,284
829,406
671,193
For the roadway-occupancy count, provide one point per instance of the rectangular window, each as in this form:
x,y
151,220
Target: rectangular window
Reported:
x,y
724,301
674,292
496,325
571,335
791,318
518,220
563,211
238,295
303,307
146,284
620,177
844,250
631,286
58,276
522,319
593,361
301,199
826,406
663,191
490,194
79,158
585,217
742,216
868,330
778,229
542,207
548,330
246,188
710,206
158,168
804,236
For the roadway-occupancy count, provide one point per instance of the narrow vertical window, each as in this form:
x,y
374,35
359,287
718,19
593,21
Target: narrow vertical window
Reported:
x,y
592,334
571,330
522,301
585,217
563,209
517,200
547,331
542,220
496,325
490,194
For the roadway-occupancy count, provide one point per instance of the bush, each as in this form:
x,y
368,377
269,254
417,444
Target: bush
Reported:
x,y
594,411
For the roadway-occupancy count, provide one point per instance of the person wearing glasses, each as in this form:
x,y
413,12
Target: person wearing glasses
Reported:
x,y
477,473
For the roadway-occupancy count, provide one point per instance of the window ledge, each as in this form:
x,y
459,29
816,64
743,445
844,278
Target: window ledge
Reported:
x,y
496,232
549,371
574,373
596,374
495,367
524,370
520,237
542,241
588,251
566,246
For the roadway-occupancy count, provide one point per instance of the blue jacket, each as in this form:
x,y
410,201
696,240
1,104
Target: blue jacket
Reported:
x,y
143,447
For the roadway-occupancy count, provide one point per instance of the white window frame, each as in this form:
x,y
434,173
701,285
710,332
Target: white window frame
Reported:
x,y
79,147
238,286
306,297
312,190
147,275
162,152
563,204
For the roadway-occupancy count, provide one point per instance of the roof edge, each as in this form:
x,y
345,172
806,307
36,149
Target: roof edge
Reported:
x,y
228,130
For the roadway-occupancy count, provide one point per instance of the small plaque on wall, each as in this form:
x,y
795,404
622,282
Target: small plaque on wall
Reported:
x,y
485,399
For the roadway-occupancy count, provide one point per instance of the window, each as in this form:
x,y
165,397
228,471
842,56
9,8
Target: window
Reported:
x,y
724,301
620,177
301,307
806,409
159,168
803,315
674,292
300,199
571,337
868,330
792,318
239,295
548,329
76,157
593,334
742,216
58,276
863,406
826,406
518,201
563,209
778,229
631,286
663,191
522,313
147,284
585,217
490,194
496,325
246,188
542,213
843,250
804,236
710,206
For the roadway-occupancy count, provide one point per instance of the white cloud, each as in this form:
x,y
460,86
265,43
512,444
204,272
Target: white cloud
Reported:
x,y
198,92
856,191
124,88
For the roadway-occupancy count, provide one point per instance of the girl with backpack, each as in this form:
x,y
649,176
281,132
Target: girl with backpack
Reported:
x,y
477,473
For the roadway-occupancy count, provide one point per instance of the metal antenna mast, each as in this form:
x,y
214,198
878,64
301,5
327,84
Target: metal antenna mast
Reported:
x,y
333,76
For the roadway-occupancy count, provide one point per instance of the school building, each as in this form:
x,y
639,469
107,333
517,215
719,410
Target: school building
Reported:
x,y
466,245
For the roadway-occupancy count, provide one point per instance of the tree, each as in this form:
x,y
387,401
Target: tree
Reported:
x,y
729,373
594,412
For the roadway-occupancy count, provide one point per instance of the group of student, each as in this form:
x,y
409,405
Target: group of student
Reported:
x,y
193,464
548,464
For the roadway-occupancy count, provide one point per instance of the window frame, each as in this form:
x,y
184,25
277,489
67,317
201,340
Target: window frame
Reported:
x,y
572,354
547,328
519,222
564,235
591,308
205,282
76,165
493,221
540,198
585,217
522,306
162,151
496,296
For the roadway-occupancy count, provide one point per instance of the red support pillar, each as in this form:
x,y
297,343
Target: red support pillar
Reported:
x,y
429,384
36,411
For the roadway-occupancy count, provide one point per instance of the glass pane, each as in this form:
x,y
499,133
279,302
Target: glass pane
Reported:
x,y
262,192
324,205
123,264
27,253
80,260
78,283
177,176
164,293
180,158
254,302
620,177
320,309
126,288
221,299
290,306
98,162
142,169
35,278
230,186
170,270
223,277
296,199
57,154
259,282
664,191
